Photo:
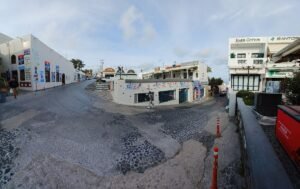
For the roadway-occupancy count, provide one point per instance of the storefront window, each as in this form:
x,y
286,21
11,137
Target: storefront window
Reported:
x,y
141,97
165,96
240,82
22,75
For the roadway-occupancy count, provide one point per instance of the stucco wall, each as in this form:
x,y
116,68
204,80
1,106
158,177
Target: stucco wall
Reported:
x,y
36,53
124,92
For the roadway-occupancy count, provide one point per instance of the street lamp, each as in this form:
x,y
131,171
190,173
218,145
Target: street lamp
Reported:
x,y
248,67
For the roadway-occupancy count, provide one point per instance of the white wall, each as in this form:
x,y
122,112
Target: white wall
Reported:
x,y
123,93
39,53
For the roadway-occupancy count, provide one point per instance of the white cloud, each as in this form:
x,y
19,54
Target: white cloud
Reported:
x,y
135,26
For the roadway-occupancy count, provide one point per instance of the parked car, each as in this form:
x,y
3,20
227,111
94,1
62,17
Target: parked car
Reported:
x,y
223,93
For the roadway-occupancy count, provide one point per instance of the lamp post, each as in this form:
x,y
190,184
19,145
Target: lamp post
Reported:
x,y
248,67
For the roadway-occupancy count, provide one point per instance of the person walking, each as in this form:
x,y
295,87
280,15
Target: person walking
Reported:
x,y
151,97
13,84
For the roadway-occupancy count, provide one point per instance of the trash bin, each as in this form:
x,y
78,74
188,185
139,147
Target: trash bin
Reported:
x,y
288,130
2,97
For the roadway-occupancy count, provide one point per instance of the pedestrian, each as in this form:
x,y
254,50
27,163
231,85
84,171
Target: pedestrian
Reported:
x,y
151,97
13,84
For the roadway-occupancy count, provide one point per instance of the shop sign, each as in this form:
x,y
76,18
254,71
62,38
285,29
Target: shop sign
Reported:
x,y
247,40
279,74
21,67
283,39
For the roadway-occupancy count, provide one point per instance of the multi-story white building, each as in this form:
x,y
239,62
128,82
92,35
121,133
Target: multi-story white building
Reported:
x,y
251,63
193,70
169,85
248,60
35,65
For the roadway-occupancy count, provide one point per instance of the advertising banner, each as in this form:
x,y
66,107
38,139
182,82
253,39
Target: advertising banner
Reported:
x,y
21,59
42,79
28,74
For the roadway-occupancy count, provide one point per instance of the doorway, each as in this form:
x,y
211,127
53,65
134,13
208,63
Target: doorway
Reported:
x,y
183,95
63,79
14,74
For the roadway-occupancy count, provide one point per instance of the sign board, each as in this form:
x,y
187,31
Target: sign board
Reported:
x,y
282,39
42,79
278,74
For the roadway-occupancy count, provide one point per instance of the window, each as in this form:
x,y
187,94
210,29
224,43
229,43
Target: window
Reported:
x,y
232,55
196,75
257,61
241,61
22,75
257,55
241,55
142,97
240,82
13,59
165,96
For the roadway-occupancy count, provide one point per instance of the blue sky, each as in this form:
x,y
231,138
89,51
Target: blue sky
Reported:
x,y
142,34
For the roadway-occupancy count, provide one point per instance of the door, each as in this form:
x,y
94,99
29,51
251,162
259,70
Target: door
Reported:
x,y
183,95
63,79
14,74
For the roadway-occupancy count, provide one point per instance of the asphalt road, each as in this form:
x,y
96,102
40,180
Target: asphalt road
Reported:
x,y
76,125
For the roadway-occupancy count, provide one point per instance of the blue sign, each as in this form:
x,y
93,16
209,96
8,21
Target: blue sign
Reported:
x,y
21,67
42,76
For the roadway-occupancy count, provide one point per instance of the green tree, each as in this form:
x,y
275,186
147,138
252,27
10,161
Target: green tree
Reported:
x,y
88,71
77,63
214,83
292,89
209,69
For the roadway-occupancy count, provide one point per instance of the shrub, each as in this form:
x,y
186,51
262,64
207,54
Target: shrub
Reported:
x,y
247,96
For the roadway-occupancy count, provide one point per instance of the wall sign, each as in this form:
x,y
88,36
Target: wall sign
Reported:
x,y
42,79
21,59
27,74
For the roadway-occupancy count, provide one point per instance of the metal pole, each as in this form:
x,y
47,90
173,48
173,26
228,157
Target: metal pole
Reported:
x,y
248,78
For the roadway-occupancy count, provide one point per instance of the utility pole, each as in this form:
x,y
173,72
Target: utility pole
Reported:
x,y
101,67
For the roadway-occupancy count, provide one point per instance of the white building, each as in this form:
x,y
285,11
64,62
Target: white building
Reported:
x,y
165,91
33,63
248,60
109,74
194,70
251,65
170,85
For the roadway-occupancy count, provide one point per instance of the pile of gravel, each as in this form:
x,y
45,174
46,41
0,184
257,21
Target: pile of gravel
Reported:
x,y
8,152
138,154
